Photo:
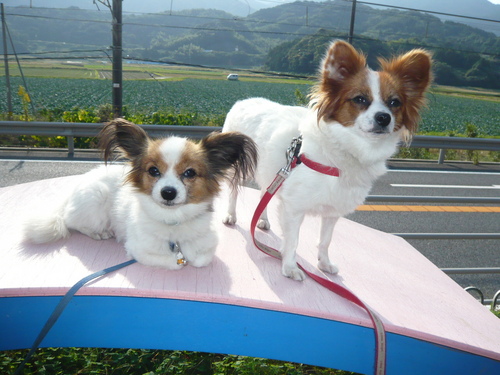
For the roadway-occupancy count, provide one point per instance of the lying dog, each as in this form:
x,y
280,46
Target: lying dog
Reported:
x,y
159,204
356,119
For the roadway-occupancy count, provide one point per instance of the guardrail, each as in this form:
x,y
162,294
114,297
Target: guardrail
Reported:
x,y
71,130
455,143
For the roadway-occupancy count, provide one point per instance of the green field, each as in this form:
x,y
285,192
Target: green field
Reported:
x,y
152,88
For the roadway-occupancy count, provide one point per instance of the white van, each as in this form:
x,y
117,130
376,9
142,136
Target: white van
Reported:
x,y
232,77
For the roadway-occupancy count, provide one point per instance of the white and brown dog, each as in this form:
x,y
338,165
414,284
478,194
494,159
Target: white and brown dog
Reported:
x,y
159,204
356,119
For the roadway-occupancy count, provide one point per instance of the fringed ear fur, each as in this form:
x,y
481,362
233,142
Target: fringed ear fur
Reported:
x,y
341,62
123,135
231,150
414,70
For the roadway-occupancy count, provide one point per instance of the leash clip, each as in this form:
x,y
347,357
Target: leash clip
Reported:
x,y
292,153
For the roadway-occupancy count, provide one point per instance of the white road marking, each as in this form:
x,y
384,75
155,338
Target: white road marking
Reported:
x,y
441,172
447,186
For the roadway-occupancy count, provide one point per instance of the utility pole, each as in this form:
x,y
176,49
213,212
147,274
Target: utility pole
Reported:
x,y
353,16
116,13
6,63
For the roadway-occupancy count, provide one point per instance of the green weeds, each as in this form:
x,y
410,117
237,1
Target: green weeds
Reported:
x,y
65,361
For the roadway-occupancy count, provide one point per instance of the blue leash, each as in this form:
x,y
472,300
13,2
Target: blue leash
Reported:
x,y
62,305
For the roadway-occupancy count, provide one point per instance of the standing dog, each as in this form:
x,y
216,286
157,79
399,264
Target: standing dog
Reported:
x,y
160,204
356,119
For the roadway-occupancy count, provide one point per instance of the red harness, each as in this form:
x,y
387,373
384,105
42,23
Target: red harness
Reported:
x,y
294,159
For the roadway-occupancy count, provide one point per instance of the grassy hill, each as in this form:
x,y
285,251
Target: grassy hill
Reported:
x,y
465,55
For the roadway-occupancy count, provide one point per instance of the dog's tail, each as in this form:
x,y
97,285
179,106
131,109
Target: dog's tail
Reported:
x,y
48,227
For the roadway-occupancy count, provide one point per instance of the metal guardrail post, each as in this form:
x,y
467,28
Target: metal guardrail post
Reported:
x,y
71,146
442,155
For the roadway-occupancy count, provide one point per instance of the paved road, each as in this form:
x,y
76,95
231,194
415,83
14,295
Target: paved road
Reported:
x,y
450,180
444,253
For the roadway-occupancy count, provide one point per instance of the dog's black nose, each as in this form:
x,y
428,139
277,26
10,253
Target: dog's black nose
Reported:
x,y
168,193
382,119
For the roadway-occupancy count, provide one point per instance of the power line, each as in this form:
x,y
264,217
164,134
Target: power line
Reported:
x,y
202,28
334,32
51,52
428,11
56,18
59,58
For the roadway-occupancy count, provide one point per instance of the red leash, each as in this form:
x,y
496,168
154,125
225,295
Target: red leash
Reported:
x,y
295,159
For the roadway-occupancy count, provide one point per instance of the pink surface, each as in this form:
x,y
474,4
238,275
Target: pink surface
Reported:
x,y
411,295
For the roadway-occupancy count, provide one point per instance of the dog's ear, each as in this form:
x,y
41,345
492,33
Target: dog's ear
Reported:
x,y
413,68
124,135
414,71
341,62
230,150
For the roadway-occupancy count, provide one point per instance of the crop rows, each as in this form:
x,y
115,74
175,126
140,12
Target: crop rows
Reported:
x,y
445,113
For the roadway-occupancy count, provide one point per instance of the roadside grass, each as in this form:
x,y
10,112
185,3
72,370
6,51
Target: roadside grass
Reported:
x,y
65,361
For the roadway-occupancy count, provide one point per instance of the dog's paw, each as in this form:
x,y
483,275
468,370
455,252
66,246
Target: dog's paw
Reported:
x,y
229,219
263,224
104,235
201,260
328,267
293,272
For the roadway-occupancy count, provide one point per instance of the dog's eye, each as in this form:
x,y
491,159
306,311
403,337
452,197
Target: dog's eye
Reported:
x,y
189,173
360,99
153,171
394,103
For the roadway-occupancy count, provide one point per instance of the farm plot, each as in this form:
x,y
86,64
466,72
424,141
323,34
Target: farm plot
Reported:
x,y
54,93
452,114
204,96
215,97
129,75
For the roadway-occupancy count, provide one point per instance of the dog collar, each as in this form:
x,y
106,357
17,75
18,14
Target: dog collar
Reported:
x,y
294,158
175,248
318,167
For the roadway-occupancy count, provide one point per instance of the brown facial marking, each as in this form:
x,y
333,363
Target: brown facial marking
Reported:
x,y
200,186
354,97
140,176
394,97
